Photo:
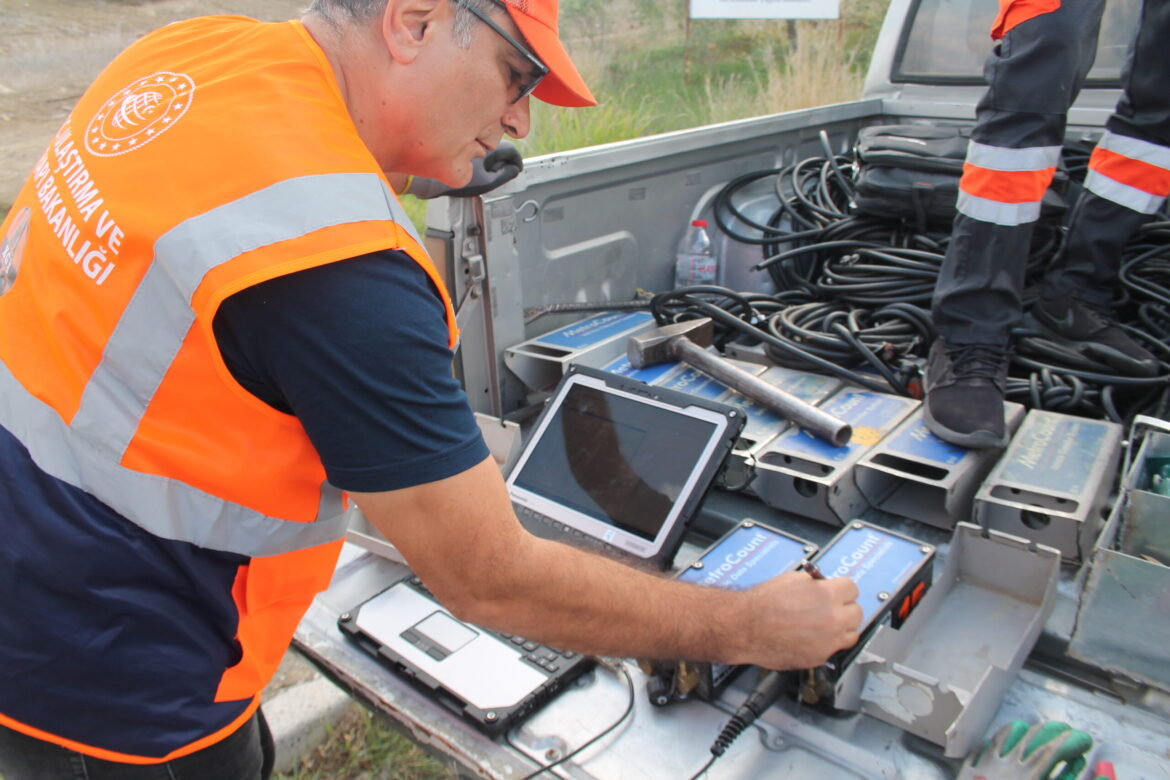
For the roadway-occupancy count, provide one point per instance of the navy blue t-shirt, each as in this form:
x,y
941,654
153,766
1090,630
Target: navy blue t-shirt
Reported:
x,y
357,350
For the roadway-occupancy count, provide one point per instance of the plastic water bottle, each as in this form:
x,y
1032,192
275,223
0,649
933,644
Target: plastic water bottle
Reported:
x,y
695,262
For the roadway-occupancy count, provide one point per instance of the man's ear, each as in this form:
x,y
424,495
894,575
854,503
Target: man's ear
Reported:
x,y
408,25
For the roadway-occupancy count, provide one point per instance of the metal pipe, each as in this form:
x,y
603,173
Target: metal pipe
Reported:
x,y
811,418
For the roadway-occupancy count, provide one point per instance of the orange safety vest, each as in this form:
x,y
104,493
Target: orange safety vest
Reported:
x,y
212,155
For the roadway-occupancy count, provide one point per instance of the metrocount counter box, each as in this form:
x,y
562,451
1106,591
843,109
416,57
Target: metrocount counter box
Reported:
x,y
914,474
541,362
799,473
749,554
892,573
1053,482
1127,593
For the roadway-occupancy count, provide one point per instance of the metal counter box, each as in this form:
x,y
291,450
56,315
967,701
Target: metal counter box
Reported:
x,y
1127,594
541,362
944,672
1053,481
799,473
934,482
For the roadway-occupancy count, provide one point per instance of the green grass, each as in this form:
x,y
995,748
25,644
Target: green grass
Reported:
x,y
417,211
363,747
653,73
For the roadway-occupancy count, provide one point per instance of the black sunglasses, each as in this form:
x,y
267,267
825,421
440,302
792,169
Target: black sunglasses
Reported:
x,y
539,69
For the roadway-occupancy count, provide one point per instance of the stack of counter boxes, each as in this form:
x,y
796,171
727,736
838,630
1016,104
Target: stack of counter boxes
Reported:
x,y
800,473
763,425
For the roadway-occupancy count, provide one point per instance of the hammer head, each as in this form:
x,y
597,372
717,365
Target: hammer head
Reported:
x,y
660,344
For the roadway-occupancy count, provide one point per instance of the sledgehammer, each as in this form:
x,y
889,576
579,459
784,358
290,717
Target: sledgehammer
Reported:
x,y
685,341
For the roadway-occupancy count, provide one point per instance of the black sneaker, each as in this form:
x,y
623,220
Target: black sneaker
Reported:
x,y
1091,331
964,393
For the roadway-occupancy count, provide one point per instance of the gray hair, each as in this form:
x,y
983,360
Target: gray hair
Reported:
x,y
365,10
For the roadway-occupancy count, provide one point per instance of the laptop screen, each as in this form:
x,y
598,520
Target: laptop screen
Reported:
x,y
604,460
616,459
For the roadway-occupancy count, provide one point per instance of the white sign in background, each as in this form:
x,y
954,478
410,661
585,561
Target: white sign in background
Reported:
x,y
765,9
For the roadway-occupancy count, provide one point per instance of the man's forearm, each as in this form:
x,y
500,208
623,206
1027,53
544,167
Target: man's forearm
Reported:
x,y
571,598
462,538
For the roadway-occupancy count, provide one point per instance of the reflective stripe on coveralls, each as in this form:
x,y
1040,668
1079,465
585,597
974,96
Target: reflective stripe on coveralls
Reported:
x,y
1005,186
1130,172
1015,12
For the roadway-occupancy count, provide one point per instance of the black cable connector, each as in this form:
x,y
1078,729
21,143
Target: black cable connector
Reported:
x,y
765,694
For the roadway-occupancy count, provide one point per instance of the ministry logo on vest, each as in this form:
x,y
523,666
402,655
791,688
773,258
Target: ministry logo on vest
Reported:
x,y
139,113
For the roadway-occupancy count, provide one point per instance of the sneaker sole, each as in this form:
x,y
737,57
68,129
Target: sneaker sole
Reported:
x,y
975,440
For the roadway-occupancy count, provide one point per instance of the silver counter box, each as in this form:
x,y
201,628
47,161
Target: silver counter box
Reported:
x,y
799,473
1125,596
541,362
914,474
1053,481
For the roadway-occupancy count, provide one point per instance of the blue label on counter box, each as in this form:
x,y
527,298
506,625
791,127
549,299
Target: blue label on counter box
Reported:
x,y
812,388
694,382
760,419
1054,453
595,329
918,442
649,375
870,415
747,557
878,562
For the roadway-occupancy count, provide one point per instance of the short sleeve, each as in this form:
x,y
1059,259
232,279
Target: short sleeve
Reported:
x,y
357,351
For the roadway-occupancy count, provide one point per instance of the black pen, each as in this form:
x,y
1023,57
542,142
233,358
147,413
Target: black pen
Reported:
x,y
812,570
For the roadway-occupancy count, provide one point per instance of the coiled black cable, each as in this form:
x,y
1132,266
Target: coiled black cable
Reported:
x,y
691,302
854,291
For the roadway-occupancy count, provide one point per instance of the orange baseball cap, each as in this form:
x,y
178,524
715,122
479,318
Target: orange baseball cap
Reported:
x,y
563,86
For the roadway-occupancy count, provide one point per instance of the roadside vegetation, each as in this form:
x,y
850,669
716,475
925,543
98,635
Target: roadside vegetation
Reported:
x,y
651,74
362,747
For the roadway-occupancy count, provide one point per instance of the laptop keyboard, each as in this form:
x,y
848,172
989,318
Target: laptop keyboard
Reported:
x,y
552,526
548,659
547,528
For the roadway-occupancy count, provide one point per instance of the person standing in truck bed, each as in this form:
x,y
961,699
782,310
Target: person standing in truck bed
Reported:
x,y
1044,51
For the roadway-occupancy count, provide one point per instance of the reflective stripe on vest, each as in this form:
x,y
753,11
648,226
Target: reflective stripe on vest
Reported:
x,y
1130,172
1005,186
150,332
